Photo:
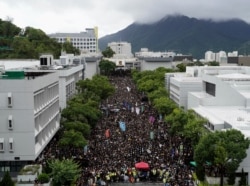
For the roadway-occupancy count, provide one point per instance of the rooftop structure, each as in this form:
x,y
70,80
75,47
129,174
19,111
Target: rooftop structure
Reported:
x,y
85,41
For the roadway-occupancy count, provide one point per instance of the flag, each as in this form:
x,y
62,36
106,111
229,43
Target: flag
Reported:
x,y
85,149
107,133
151,135
122,126
152,119
137,110
142,108
160,117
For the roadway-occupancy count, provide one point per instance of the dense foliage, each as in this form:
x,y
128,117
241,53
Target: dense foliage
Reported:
x,y
28,43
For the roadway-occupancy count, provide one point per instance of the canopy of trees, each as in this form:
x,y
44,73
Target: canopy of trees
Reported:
x,y
28,43
64,172
223,149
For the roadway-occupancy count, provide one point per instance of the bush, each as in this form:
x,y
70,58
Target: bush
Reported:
x,y
43,178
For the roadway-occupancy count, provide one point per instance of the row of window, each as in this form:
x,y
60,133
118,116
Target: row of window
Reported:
x,y
84,44
10,144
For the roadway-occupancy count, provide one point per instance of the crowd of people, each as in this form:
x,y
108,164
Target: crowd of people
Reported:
x,y
130,131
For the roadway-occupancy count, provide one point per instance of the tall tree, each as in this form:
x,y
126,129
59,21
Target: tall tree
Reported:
x,y
73,138
108,52
7,180
224,150
106,67
64,172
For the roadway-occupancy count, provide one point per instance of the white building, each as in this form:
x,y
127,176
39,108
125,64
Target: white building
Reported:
x,y
39,92
144,52
85,41
29,115
224,100
179,84
232,54
121,49
209,56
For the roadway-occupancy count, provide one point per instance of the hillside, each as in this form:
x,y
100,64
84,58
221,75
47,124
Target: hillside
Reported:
x,y
185,35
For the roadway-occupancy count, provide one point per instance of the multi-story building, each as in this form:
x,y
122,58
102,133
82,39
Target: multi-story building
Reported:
x,y
121,49
29,116
85,41
31,100
223,99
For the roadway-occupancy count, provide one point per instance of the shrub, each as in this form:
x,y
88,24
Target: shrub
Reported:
x,y
43,178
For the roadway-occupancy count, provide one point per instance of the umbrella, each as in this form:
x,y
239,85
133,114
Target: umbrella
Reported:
x,y
142,165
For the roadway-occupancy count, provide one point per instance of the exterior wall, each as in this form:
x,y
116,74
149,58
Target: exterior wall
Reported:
x,y
244,61
38,100
154,65
91,70
121,49
179,90
67,83
84,41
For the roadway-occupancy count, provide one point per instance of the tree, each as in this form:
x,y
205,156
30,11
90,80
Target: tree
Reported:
x,y
98,85
72,138
84,128
177,119
43,178
164,105
224,150
106,67
243,180
181,67
108,52
64,172
194,128
7,180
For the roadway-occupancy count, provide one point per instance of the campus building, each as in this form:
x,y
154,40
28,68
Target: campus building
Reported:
x,y
221,95
29,113
32,98
84,41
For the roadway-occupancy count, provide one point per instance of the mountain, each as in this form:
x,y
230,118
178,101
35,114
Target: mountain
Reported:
x,y
185,35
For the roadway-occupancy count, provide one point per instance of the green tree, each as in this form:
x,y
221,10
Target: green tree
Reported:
x,y
194,128
243,180
177,119
181,67
106,67
43,178
98,85
64,172
108,52
160,92
7,180
69,48
225,150
164,105
72,138
84,128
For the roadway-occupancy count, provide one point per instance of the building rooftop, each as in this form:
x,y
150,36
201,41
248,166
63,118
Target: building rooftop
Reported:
x,y
237,117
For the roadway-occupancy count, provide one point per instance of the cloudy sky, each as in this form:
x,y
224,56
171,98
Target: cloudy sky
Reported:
x,y
110,16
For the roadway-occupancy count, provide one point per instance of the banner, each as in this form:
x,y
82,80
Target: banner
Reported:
x,y
107,133
137,110
85,149
122,126
151,135
151,119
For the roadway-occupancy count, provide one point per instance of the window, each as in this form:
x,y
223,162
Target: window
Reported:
x,y
11,144
9,99
1,144
10,122
210,88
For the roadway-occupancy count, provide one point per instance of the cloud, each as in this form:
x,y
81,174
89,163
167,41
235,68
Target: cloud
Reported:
x,y
111,16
